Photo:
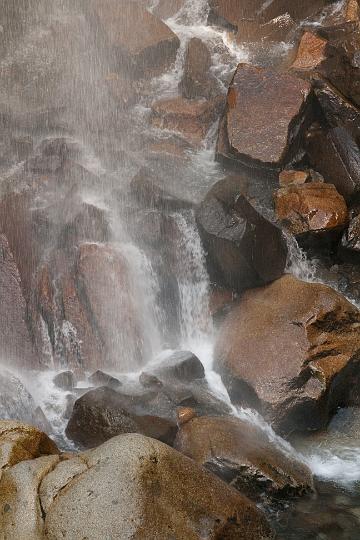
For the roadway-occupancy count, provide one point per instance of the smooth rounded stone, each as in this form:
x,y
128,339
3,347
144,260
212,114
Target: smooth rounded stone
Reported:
x,y
97,416
137,40
254,94
311,52
21,515
197,80
16,345
100,378
291,350
19,442
139,488
183,366
65,380
244,249
314,207
58,478
336,155
191,118
103,413
242,454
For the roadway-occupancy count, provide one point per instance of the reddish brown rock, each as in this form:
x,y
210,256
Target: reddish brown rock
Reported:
x,y
256,94
310,207
230,12
311,52
241,454
291,350
16,344
106,287
184,415
220,298
17,223
191,118
139,41
291,176
276,30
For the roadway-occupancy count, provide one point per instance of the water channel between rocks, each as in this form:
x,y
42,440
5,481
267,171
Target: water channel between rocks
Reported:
x,y
167,288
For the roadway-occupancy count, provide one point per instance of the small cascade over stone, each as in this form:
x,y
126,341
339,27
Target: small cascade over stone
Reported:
x,y
158,276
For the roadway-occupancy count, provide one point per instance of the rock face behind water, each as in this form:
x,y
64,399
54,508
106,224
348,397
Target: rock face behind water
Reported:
x,y
136,487
240,453
16,346
291,350
244,248
265,117
197,82
139,41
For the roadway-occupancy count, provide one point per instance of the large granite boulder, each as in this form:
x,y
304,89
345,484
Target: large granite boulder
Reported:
x,y
241,454
244,249
291,350
138,41
135,487
265,118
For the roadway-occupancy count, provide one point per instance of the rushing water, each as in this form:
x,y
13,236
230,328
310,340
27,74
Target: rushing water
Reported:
x,y
333,459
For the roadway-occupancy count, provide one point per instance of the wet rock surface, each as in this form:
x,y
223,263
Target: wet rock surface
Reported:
x,y
314,207
299,378
108,122
255,94
149,49
244,248
240,453
144,467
